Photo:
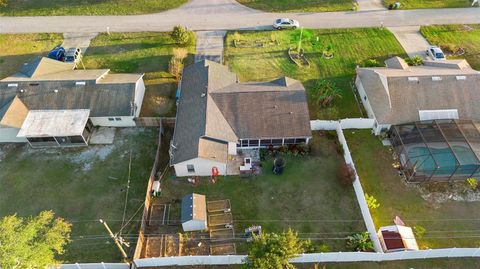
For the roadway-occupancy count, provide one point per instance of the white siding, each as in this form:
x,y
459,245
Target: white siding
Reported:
x,y
194,225
202,167
9,135
139,94
103,121
364,97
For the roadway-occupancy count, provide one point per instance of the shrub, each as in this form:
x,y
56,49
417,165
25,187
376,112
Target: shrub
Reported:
x,y
419,231
359,242
325,92
472,183
175,68
237,36
371,63
182,35
414,61
345,174
180,53
371,202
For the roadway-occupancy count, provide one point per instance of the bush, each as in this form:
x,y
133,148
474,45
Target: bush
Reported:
x,y
371,202
371,63
182,36
359,242
237,36
345,174
180,53
419,231
414,61
325,92
175,67
472,183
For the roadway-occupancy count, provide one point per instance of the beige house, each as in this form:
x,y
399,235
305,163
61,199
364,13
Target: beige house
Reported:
x,y
218,117
399,93
45,86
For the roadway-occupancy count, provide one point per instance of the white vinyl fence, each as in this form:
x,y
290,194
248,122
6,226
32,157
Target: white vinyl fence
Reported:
x,y
94,266
359,123
330,257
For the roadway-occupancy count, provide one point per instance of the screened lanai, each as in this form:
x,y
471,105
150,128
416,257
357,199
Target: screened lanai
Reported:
x,y
438,150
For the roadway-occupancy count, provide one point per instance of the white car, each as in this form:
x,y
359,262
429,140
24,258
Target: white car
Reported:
x,y
285,23
436,53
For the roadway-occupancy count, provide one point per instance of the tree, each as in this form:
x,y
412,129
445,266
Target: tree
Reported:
x,y
359,242
32,242
325,92
272,251
345,173
182,35
371,202
3,3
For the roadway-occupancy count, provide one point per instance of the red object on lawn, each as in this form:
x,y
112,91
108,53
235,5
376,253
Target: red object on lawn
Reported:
x,y
214,171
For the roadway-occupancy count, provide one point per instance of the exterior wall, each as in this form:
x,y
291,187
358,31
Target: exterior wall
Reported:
x,y
202,167
127,121
194,225
365,100
139,94
9,135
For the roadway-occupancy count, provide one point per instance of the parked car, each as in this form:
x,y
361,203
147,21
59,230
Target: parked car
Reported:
x,y
285,23
436,53
73,55
57,53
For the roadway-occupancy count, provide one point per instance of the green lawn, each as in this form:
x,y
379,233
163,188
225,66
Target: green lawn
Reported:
x,y
352,47
448,224
17,49
299,5
454,37
414,4
306,197
81,185
147,53
86,7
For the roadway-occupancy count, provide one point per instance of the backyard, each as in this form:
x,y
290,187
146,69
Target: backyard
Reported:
x,y
299,5
449,221
453,37
86,7
81,185
146,52
17,49
413,4
306,197
351,48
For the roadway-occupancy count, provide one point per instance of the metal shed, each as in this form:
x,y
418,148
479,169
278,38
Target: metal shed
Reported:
x,y
194,212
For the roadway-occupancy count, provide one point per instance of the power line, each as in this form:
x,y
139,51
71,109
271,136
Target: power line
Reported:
x,y
128,188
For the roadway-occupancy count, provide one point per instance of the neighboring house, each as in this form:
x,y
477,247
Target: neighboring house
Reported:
x,y
194,213
399,93
397,238
48,87
217,117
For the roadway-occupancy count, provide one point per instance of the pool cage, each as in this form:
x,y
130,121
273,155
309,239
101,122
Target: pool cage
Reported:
x,y
437,150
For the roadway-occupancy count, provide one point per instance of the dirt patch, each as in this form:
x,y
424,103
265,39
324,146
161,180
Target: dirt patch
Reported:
x,y
92,154
439,193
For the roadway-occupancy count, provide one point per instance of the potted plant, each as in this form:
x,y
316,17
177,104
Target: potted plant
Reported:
x,y
328,52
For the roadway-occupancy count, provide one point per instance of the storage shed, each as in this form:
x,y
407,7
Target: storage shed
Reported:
x,y
194,212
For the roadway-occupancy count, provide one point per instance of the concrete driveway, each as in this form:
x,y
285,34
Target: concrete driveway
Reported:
x,y
411,40
78,40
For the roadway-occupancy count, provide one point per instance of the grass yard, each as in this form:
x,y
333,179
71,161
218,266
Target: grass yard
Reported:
x,y
86,7
351,46
448,224
299,5
414,4
147,53
306,197
454,37
81,185
17,49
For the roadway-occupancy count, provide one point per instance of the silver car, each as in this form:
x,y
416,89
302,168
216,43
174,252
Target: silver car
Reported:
x,y
436,53
285,23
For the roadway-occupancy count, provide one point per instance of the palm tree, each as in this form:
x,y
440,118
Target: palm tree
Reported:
x,y
326,91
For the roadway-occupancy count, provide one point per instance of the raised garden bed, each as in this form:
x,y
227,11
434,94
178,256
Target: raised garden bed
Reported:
x,y
220,219
222,234
298,58
223,249
219,206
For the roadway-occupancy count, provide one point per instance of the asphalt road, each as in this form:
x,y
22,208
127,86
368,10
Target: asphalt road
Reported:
x,y
227,14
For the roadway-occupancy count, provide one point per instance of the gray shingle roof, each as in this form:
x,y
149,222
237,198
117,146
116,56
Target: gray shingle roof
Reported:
x,y
214,104
395,99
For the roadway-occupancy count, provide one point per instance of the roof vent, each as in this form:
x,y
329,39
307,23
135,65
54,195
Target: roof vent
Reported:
x,y
55,91
412,78
12,85
290,112
22,90
436,78
461,78
203,95
80,83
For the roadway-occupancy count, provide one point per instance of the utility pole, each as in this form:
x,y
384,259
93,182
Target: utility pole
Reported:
x,y
118,241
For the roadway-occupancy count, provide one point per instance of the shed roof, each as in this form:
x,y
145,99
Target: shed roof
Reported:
x,y
194,207
214,104
48,123
396,95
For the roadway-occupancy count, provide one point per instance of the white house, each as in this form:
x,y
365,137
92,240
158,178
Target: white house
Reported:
x,y
399,93
113,100
217,117
194,213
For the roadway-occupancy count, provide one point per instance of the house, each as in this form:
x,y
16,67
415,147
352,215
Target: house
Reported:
x,y
218,117
398,93
51,93
194,213
397,238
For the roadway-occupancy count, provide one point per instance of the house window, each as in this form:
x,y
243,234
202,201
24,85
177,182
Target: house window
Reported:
x,y
244,143
265,142
111,119
118,119
190,168
277,142
300,140
289,141
253,143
